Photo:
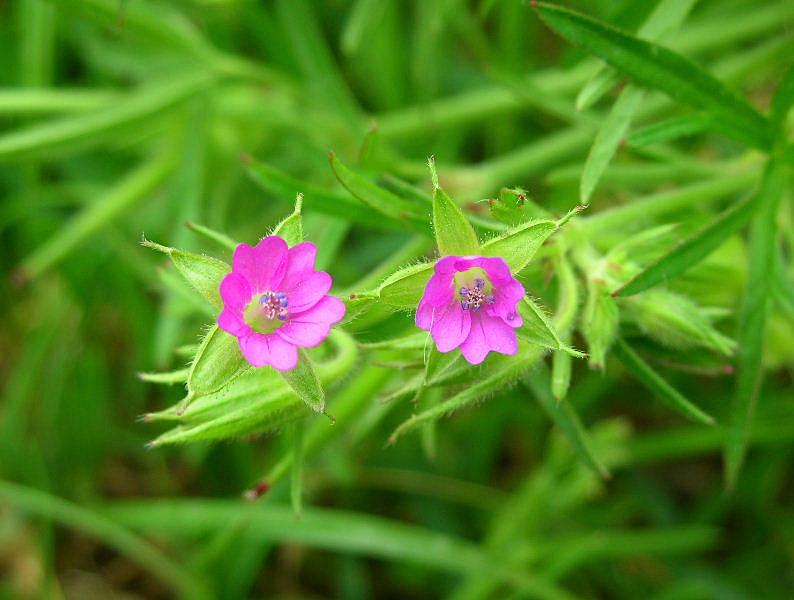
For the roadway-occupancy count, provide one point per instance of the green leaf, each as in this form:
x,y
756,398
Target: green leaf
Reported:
x,y
537,327
203,273
646,375
305,382
599,321
675,321
380,199
657,67
763,249
567,307
608,139
692,250
404,288
454,234
667,16
134,188
218,361
502,373
291,228
518,246
565,417
670,129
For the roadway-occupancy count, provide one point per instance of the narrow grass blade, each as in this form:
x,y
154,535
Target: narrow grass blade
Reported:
x,y
296,483
168,378
692,250
659,68
134,188
565,417
657,384
763,240
666,17
608,139
109,531
217,237
78,132
670,129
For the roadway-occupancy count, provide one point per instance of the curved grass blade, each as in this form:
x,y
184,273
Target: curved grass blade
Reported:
x,y
135,187
659,68
380,199
763,240
657,384
78,132
109,531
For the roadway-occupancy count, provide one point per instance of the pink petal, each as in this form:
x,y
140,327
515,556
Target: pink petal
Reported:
x,y
488,333
440,289
235,291
262,265
424,315
451,326
508,295
308,291
232,322
310,328
300,262
270,349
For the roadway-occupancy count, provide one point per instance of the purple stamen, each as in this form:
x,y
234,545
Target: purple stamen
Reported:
x,y
464,291
490,299
511,316
479,283
464,305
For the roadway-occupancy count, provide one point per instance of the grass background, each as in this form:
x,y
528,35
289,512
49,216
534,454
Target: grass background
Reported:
x,y
121,119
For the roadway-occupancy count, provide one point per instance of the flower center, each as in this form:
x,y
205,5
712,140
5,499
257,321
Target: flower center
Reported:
x,y
472,297
266,313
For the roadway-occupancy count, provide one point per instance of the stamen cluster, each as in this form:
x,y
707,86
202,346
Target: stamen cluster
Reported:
x,y
274,305
473,299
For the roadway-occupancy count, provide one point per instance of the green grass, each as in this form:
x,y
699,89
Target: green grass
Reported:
x,y
631,161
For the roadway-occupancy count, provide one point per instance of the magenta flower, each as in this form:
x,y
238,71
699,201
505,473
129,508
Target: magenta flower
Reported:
x,y
275,302
471,302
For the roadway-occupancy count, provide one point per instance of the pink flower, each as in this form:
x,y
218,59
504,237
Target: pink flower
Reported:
x,y
275,302
470,302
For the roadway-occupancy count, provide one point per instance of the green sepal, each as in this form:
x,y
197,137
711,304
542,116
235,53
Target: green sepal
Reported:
x,y
454,234
203,273
291,228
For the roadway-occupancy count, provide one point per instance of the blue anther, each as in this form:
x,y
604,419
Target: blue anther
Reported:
x,y
283,302
464,291
490,299
511,316
479,283
465,305
281,295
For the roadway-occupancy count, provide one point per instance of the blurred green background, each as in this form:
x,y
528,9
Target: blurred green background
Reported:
x,y
120,119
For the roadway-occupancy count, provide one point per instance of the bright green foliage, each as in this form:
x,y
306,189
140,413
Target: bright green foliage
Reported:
x,y
142,456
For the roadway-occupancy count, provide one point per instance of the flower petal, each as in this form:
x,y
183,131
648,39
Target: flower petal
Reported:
x,y
309,291
262,265
235,291
269,349
451,326
424,315
231,321
300,263
311,327
487,334
440,289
